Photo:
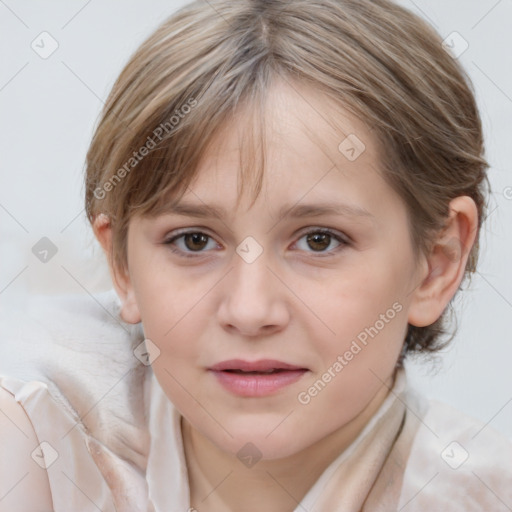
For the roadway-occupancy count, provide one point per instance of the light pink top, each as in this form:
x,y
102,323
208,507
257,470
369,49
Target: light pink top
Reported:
x,y
111,440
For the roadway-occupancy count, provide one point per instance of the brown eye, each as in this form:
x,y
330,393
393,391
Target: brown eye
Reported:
x,y
322,241
319,241
191,243
195,241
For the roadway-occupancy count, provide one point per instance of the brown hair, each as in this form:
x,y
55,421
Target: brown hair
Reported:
x,y
206,62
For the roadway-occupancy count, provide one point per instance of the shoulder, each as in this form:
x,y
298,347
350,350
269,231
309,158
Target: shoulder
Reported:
x,y
50,461
75,355
68,342
24,484
456,459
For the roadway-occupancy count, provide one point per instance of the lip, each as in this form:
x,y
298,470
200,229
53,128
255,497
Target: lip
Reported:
x,y
261,365
228,374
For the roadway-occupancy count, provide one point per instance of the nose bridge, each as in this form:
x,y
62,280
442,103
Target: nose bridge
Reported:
x,y
252,300
250,264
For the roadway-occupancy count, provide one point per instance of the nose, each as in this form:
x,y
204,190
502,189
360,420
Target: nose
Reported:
x,y
254,299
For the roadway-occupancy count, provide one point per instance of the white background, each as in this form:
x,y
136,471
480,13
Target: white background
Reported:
x,y
49,108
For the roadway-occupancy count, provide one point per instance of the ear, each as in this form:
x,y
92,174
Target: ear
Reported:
x,y
446,263
120,278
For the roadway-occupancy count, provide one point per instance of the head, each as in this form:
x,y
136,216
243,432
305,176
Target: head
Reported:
x,y
259,109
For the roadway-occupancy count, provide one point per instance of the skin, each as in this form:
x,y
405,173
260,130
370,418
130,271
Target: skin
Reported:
x,y
295,303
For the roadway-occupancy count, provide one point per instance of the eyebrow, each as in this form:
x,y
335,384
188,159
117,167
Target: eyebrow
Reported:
x,y
294,211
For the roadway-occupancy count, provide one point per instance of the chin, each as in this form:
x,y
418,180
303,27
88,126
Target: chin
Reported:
x,y
263,441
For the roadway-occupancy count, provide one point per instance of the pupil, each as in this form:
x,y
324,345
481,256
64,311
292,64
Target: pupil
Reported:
x,y
196,238
319,239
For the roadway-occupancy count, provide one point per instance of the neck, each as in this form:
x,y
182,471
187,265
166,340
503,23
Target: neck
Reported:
x,y
219,483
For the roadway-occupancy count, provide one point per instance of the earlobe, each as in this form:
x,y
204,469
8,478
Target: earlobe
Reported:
x,y
121,280
446,264
129,308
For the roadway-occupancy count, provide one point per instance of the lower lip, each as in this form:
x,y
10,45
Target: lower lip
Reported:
x,y
253,384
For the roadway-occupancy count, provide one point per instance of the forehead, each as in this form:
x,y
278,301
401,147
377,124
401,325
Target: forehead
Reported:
x,y
302,141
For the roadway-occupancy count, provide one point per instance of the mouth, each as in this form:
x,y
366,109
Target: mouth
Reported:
x,y
262,372
258,378
261,366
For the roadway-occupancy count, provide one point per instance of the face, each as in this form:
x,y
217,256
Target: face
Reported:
x,y
277,325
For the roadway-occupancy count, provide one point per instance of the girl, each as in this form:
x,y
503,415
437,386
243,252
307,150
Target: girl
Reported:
x,y
289,195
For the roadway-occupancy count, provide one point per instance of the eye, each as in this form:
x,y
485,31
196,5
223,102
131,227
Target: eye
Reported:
x,y
320,239
190,242
186,243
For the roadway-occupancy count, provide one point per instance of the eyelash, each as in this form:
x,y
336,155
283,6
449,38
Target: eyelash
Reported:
x,y
343,241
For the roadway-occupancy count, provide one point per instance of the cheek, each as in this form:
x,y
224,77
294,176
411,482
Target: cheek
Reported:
x,y
175,318
367,309
359,359
163,296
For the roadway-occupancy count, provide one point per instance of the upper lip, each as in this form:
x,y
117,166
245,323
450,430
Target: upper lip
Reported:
x,y
254,366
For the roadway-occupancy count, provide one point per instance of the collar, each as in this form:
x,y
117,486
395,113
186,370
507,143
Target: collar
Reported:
x,y
345,483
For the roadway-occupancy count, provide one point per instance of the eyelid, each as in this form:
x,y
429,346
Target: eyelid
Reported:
x,y
320,229
185,231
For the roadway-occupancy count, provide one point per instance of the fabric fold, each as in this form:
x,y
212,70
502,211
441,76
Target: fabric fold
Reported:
x,y
347,482
76,482
167,478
